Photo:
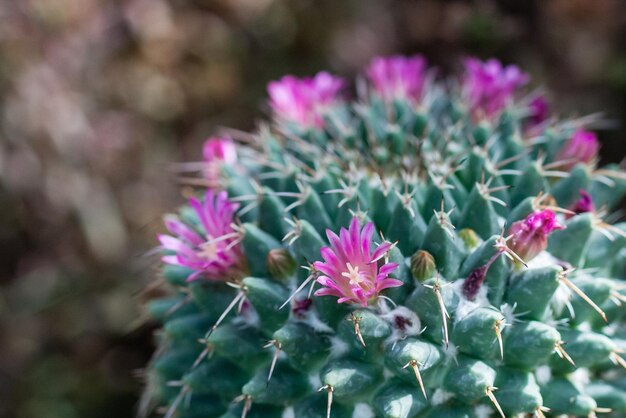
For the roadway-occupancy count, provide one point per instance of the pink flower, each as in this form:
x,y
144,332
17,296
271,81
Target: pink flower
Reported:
x,y
212,249
582,147
350,269
530,235
539,110
538,113
219,149
584,204
301,306
398,77
304,100
489,86
216,152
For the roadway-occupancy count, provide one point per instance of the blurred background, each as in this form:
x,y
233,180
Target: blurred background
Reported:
x,y
99,97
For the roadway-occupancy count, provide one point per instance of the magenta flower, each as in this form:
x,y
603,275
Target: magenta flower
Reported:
x,y
301,306
584,204
216,152
304,100
398,77
538,113
539,110
350,269
211,250
530,235
219,149
489,86
582,147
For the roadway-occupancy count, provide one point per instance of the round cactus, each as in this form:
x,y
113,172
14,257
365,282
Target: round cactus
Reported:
x,y
429,249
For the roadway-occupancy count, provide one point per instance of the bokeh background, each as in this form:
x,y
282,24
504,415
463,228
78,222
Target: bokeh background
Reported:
x,y
99,97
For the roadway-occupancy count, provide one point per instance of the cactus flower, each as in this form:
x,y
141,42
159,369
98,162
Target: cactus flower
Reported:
x,y
218,149
584,204
582,147
301,307
474,281
350,270
304,100
489,86
530,235
398,77
212,252
539,110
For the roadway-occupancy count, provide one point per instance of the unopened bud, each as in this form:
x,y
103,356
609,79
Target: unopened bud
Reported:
x,y
474,281
422,265
582,205
582,147
218,149
530,235
280,263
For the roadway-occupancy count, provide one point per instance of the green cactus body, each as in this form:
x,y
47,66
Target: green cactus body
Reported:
x,y
394,313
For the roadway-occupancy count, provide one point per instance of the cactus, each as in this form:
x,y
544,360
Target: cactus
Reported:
x,y
429,250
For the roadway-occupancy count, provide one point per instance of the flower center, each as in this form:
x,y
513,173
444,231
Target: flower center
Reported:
x,y
208,250
353,274
402,322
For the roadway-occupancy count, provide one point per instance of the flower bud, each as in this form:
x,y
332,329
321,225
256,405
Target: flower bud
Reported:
x,y
539,110
280,263
474,281
217,149
422,265
582,147
582,205
538,113
530,235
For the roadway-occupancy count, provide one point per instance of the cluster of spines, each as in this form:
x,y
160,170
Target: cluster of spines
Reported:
x,y
477,175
